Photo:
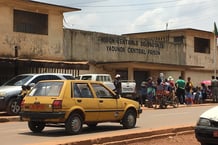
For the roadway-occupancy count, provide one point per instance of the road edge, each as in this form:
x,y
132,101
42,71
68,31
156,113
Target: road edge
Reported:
x,y
130,136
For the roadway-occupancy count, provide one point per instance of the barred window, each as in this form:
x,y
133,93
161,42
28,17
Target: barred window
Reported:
x,y
178,39
29,22
202,45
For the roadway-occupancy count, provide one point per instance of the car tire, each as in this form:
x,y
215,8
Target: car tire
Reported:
x,y
36,126
129,119
74,124
13,107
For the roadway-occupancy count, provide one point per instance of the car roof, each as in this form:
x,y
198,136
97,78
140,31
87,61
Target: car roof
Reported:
x,y
37,74
96,74
78,81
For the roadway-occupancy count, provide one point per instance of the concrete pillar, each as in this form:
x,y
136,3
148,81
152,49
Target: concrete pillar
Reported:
x,y
183,74
130,73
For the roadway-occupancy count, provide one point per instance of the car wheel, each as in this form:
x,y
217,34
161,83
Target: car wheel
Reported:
x,y
36,126
13,107
129,119
74,123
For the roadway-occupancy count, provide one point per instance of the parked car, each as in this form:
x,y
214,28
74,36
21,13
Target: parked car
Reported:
x,y
105,78
11,89
72,103
128,89
206,130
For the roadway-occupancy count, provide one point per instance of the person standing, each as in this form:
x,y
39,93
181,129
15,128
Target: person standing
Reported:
x,y
204,92
172,84
180,89
150,92
214,89
143,93
117,84
188,91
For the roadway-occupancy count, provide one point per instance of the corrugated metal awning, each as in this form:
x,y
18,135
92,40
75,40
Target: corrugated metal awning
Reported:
x,y
68,64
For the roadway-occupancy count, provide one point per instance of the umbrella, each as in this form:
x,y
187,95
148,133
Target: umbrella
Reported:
x,y
206,82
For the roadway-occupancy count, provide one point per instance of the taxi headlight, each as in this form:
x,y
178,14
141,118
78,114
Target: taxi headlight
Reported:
x,y
204,122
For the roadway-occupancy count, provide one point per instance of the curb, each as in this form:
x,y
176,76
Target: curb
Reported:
x,y
6,118
129,137
134,137
9,118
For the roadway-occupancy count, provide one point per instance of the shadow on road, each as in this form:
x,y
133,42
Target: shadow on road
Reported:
x,y
59,132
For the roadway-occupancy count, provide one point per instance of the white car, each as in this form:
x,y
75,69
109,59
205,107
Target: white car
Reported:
x,y
206,130
10,90
105,78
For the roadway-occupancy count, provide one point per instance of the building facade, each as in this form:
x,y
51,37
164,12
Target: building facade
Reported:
x,y
31,39
182,52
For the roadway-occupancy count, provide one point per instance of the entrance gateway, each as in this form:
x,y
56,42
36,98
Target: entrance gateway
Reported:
x,y
142,71
139,76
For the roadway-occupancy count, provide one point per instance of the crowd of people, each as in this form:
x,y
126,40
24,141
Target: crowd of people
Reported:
x,y
183,89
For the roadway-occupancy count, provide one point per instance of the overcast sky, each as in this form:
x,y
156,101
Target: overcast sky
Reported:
x,y
133,16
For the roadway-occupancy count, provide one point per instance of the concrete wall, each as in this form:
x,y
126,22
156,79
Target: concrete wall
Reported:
x,y
93,46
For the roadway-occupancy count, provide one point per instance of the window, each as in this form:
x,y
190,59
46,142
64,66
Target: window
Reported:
x,y
18,80
45,77
178,39
81,90
47,89
202,45
69,77
102,92
103,78
86,78
29,22
76,91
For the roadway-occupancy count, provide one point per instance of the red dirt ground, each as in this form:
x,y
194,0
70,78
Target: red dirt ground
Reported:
x,y
181,139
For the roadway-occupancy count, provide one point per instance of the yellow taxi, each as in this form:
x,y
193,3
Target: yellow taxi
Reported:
x,y
74,103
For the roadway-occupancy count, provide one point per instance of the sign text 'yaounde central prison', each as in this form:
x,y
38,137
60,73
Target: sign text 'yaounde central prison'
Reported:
x,y
142,46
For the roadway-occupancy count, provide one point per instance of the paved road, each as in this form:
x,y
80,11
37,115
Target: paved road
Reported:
x,y
19,134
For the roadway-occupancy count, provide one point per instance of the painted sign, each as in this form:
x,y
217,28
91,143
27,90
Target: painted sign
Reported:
x,y
149,46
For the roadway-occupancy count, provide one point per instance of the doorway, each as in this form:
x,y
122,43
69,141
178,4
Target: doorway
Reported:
x,y
140,76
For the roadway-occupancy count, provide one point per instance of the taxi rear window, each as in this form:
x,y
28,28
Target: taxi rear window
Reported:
x,y
47,89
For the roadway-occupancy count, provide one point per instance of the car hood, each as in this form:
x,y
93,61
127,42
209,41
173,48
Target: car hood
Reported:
x,y
8,89
211,114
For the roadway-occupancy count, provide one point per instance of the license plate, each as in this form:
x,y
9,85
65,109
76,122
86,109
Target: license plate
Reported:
x,y
37,106
215,133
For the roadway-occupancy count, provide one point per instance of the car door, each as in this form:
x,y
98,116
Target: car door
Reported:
x,y
110,107
85,99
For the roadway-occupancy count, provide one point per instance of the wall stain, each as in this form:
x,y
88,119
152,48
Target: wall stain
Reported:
x,y
13,41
